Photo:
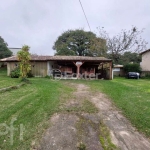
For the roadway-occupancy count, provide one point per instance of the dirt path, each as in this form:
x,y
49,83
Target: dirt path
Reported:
x,y
122,133
74,127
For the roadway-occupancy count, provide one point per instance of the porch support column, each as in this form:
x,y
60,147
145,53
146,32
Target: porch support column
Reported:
x,y
78,64
110,69
78,71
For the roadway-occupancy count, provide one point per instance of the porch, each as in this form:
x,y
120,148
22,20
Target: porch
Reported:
x,y
79,69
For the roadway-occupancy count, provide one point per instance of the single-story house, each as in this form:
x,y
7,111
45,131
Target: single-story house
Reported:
x,y
145,64
79,65
118,70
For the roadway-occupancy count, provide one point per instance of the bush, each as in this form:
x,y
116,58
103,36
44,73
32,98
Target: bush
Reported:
x,y
15,73
132,68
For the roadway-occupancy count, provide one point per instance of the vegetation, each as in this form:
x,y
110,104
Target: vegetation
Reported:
x,y
6,81
24,64
81,146
132,68
32,105
105,138
15,73
123,42
131,96
129,57
80,43
4,51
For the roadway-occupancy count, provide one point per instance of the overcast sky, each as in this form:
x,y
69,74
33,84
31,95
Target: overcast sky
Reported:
x,y
38,23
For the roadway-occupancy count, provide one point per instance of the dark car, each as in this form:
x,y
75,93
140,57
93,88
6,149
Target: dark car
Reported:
x,y
135,75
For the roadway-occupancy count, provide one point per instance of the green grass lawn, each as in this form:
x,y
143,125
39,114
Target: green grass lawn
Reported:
x,y
32,105
131,96
7,81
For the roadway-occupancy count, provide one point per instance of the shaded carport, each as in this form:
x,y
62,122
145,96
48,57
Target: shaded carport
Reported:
x,y
100,66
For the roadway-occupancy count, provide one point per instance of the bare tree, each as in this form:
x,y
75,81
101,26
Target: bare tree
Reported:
x,y
130,40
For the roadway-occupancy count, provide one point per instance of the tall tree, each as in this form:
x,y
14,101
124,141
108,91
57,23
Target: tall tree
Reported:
x,y
125,41
24,62
129,57
4,51
79,43
98,47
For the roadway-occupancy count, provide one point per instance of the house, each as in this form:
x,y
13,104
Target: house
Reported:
x,y
145,64
76,66
118,70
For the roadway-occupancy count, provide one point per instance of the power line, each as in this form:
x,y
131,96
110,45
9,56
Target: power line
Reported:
x,y
85,15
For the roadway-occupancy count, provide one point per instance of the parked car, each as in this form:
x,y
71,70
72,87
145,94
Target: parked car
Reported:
x,y
135,75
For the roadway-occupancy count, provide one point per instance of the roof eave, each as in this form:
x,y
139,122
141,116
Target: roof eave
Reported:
x,y
144,52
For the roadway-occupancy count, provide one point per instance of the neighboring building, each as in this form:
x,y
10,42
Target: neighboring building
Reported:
x,y
118,70
14,50
43,65
145,64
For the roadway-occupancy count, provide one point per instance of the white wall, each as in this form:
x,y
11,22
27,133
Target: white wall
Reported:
x,y
145,64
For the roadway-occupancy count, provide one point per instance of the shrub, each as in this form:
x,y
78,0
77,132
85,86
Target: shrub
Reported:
x,y
15,73
132,68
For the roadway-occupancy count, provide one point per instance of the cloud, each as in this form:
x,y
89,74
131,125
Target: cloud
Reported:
x,y
39,23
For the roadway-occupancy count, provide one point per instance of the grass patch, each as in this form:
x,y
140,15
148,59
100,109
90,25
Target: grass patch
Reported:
x,y
86,107
32,105
131,96
105,138
89,107
81,146
104,135
6,81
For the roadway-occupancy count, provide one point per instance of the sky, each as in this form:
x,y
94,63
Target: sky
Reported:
x,y
39,23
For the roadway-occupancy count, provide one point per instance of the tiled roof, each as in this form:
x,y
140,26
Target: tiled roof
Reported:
x,y
48,58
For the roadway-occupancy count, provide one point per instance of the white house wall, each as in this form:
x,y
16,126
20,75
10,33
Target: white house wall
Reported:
x,y
145,64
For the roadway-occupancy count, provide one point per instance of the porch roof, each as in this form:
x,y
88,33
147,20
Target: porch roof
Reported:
x,y
58,58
